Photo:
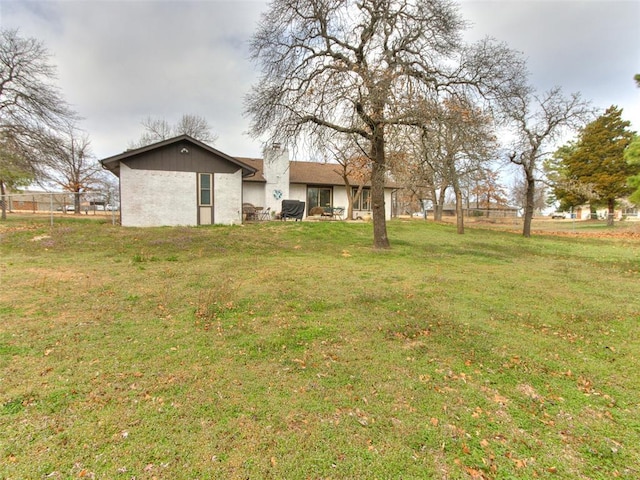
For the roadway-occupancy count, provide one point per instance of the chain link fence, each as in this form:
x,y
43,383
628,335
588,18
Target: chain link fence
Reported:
x,y
53,204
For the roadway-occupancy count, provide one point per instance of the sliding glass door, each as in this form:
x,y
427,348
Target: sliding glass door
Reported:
x,y
319,197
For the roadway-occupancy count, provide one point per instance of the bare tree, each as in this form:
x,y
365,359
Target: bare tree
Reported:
x,y
155,130
352,163
420,172
31,107
487,189
518,194
195,126
537,122
358,66
418,181
158,129
28,100
457,138
71,165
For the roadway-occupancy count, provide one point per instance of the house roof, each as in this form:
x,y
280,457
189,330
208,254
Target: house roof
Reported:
x,y
113,163
307,173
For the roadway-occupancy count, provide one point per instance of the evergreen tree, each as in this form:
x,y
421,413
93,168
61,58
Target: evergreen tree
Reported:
x,y
632,156
598,159
15,170
566,190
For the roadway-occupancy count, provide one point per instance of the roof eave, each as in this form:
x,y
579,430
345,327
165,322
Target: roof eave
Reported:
x,y
113,163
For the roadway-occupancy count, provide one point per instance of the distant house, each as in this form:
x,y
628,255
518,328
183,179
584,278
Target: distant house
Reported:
x,y
624,211
492,211
39,201
182,181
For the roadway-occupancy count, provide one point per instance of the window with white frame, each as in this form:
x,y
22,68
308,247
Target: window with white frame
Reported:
x,y
362,201
205,182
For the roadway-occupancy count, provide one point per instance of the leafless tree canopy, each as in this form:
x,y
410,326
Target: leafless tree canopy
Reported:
x,y
537,121
31,109
360,66
158,129
29,101
196,127
352,162
70,163
455,139
357,65
518,194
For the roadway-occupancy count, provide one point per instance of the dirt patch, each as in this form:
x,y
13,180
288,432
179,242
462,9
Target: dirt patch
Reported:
x,y
562,228
628,234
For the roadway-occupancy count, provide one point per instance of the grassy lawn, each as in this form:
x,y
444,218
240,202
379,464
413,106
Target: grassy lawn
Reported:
x,y
292,350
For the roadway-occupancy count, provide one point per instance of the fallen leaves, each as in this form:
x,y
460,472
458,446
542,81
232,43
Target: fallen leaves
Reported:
x,y
626,234
530,392
500,399
585,385
518,462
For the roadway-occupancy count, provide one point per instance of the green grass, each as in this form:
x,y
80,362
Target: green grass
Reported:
x,y
293,350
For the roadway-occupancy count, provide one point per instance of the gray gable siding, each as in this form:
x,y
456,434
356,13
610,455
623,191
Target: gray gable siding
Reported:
x,y
181,157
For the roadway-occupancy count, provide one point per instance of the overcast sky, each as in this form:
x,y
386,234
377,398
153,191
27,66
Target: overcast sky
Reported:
x,y
121,61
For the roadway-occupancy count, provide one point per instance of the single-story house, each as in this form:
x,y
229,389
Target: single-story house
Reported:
x,y
492,211
624,210
39,201
182,181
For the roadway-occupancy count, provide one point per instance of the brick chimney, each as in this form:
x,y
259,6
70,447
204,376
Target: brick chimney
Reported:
x,y
276,172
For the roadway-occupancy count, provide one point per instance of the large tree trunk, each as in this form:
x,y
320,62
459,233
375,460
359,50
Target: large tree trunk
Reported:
x,y
529,204
459,210
440,206
354,197
350,197
434,202
611,204
76,201
380,239
455,183
3,201
349,206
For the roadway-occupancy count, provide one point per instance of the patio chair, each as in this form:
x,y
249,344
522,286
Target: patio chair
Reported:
x,y
248,211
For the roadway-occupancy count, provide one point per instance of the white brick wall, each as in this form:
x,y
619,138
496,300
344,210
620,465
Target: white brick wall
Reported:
x,y
155,198
276,172
227,198
296,192
253,193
